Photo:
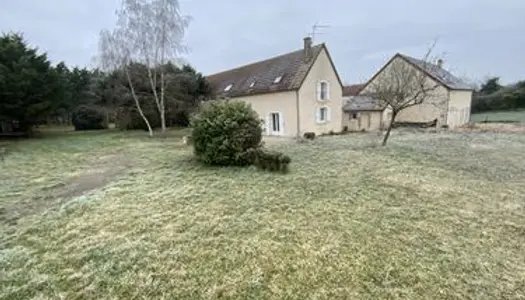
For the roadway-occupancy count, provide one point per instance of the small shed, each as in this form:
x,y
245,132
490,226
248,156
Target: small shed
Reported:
x,y
364,113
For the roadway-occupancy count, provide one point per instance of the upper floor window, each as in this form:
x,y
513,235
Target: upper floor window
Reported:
x,y
278,79
252,84
228,87
323,90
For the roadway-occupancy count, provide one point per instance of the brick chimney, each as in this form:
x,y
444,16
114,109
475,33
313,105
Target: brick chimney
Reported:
x,y
440,63
307,49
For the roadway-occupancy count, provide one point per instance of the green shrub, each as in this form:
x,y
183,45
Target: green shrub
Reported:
x,y
130,119
224,131
270,160
89,118
179,118
309,135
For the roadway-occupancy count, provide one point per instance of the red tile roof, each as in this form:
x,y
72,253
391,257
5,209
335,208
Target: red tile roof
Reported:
x,y
352,90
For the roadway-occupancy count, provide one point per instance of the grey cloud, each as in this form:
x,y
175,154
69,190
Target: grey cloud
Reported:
x,y
478,37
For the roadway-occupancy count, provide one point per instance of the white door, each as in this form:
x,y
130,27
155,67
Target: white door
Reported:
x,y
275,123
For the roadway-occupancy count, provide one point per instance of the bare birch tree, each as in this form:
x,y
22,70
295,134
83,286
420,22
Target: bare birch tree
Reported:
x,y
115,55
402,85
149,32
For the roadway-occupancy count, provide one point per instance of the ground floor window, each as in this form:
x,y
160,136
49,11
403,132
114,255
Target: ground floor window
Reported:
x,y
323,114
275,122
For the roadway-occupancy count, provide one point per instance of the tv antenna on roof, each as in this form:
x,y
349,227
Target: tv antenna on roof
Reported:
x,y
315,30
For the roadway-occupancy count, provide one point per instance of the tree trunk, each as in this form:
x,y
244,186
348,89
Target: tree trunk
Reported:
x,y
387,135
137,103
163,119
107,118
162,103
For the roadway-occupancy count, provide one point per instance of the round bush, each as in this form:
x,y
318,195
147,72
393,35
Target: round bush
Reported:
x,y
224,132
309,135
89,118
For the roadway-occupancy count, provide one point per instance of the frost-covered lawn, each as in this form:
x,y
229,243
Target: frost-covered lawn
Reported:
x,y
120,216
517,116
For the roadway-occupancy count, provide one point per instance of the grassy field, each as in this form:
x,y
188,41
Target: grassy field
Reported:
x,y
517,116
121,216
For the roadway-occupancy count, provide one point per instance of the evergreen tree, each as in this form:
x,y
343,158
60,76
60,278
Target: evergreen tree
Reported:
x,y
29,85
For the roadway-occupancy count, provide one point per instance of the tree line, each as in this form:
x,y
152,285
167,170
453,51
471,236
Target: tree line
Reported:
x,y
139,82
493,96
33,91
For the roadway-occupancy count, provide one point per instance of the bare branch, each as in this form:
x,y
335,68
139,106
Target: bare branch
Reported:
x,y
405,83
149,32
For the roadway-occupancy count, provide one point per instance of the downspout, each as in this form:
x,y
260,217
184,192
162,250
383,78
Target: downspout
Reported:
x,y
298,133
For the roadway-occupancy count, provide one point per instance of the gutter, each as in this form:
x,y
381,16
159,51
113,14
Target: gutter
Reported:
x,y
298,133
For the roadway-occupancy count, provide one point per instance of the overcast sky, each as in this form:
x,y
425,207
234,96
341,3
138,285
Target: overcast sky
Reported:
x,y
478,38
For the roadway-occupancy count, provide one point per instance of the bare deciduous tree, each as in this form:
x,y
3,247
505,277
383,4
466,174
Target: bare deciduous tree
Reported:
x,y
149,32
401,85
115,55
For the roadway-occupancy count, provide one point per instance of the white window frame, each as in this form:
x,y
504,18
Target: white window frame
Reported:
x,y
252,84
269,123
328,116
319,91
228,87
278,79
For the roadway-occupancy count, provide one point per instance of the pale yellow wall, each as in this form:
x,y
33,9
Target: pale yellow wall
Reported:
x,y
375,117
321,70
386,115
459,108
367,120
434,107
351,123
283,103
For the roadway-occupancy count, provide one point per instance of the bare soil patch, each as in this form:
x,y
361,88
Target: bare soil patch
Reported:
x,y
102,171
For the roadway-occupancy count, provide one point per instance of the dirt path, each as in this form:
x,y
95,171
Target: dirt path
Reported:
x,y
102,171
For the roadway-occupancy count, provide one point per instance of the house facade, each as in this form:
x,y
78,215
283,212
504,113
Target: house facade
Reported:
x,y
449,103
293,93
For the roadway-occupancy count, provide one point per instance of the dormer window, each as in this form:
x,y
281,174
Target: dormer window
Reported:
x,y
228,87
278,79
252,84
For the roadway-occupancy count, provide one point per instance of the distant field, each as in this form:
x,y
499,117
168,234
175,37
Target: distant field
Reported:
x,y
118,215
515,116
